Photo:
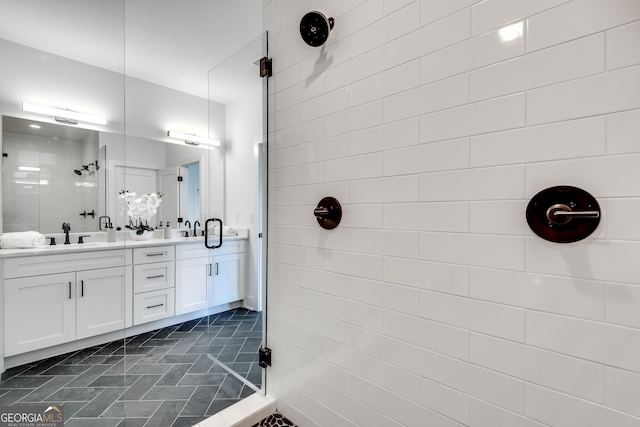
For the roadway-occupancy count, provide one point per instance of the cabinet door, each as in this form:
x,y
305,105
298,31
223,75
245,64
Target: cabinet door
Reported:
x,y
191,284
39,312
228,279
103,301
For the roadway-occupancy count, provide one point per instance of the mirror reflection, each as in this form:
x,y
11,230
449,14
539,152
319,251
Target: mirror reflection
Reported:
x,y
52,174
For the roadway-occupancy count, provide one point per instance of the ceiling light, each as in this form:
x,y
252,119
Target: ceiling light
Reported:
x,y
191,139
61,115
34,126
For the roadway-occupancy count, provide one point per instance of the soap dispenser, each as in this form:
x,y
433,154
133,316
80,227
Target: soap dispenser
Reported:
x,y
167,230
111,233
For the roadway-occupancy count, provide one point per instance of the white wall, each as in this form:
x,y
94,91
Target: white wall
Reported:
x,y
433,304
244,133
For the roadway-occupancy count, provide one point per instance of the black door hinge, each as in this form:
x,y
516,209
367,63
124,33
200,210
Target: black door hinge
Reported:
x,y
179,179
266,67
265,357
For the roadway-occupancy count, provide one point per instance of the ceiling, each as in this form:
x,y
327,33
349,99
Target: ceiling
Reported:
x,y
172,43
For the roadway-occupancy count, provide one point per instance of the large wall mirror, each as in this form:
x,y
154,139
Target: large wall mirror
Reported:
x,y
53,173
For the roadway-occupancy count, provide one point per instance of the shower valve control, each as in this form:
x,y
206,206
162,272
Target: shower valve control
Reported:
x,y
328,213
563,214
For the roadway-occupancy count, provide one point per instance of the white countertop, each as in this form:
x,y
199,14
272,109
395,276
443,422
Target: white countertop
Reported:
x,y
122,243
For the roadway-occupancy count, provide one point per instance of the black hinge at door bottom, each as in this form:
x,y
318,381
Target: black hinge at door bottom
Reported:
x,y
264,357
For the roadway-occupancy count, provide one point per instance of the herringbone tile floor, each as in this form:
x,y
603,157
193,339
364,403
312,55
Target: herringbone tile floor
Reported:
x,y
162,378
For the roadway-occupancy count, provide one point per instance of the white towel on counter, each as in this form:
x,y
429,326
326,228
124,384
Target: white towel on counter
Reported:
x,y
226,230
22,239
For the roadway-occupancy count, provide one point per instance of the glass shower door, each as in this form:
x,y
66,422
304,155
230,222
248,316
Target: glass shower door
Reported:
x,y
237,109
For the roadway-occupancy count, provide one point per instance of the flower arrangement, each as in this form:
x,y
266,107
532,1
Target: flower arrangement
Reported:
x,y
140,208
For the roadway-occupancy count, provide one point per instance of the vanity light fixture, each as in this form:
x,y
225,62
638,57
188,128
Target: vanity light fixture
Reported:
x,y
191,139
64,116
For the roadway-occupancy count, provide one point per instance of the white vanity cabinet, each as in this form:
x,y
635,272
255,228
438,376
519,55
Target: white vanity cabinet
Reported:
x,y
153,283
54,299
228,279
39,312
193,270
204,281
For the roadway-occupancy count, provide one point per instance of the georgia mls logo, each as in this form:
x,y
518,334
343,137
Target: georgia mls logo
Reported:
x,y
31,416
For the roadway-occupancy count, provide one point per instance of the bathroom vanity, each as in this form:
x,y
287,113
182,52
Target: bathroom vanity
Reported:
x,y
66,297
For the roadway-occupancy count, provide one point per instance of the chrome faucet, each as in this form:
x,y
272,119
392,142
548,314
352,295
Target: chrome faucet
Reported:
x,y
195,224
188,225
66,227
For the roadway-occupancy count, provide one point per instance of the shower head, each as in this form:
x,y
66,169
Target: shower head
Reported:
x,y
315,28
77,172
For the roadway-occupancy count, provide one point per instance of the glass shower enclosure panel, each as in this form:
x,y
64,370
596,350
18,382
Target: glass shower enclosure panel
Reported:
x,y
237,109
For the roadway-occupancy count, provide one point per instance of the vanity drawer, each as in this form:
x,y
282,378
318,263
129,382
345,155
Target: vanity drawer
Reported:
x,y
39,265
194,250
153,254
152,277
155,305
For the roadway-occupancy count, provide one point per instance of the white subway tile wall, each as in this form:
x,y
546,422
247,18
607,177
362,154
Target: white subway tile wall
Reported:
x,y
434,122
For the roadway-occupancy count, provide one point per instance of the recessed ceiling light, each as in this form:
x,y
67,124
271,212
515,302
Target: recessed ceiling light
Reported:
x,y
35,126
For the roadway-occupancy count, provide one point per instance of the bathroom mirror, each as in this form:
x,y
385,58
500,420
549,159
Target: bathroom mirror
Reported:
x,y
57,173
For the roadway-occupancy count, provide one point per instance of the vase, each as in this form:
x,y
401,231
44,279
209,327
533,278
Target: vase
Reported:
x,y
146,235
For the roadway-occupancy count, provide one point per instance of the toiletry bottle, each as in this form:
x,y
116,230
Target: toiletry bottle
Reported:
x,y
167,230
111,233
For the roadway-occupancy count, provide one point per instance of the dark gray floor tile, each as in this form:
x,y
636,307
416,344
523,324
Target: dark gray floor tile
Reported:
x,y
246,392
100,404
141,387
182,346
80,355
172,392
202,379
191,334
229,353
154,342
149,369
109,348
89,376
219,404
114,380
166,414
29,381
16,370
137,409
133,422
92,422
178,358
76,394
247,357
66,370
230,388
71,408
102,360
187,421
200,401
174,375
12,396
205,349
41,393
240,368
202,365
154,355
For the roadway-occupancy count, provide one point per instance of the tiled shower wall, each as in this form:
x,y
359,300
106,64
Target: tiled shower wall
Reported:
x,y
433,304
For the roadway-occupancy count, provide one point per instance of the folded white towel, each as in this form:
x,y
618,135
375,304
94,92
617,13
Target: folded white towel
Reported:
x,y
226,230
229,231
22,239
